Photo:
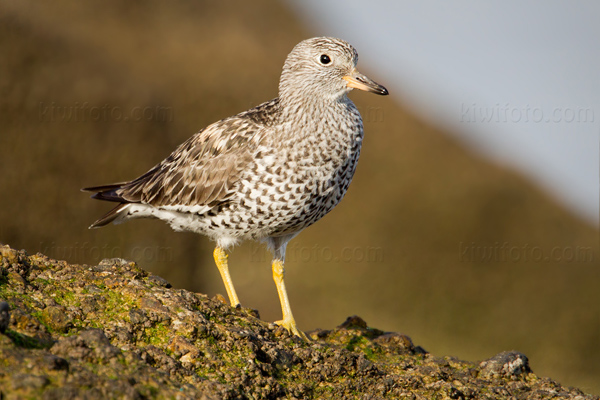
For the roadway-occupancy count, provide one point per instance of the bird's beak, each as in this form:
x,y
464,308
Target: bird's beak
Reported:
x,y
356,80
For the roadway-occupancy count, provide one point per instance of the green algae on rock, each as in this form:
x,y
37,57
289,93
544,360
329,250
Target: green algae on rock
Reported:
x,y
115,331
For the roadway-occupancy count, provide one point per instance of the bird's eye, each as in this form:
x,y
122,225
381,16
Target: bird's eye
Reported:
x,y
325,59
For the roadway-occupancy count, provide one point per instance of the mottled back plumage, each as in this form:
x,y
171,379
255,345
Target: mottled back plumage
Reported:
x,y
266,173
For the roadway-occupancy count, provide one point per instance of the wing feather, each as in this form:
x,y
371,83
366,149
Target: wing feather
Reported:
x,y
205,169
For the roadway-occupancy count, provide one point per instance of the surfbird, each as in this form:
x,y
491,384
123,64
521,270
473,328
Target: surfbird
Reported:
x,y
266,173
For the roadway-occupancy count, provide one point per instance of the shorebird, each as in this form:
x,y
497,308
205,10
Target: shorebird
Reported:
x,y
263,174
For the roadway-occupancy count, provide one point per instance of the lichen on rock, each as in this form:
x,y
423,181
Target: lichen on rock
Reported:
x,y
115,331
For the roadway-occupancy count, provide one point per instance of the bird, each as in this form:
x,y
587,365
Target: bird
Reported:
x,y
264,174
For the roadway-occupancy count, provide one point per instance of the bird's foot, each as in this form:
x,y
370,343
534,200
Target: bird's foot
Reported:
x,y
291,327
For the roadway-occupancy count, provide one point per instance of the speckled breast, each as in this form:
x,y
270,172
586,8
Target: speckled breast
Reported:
x,y
294,189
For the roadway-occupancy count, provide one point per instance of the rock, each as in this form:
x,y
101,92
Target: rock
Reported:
x,y
4,316
506,364
115,331
108,264
56,363
28,381
157,280
401,343
56,318
354,322
137,316
90,345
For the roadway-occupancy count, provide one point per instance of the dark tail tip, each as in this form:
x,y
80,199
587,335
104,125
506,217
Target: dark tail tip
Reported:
x,y
109,216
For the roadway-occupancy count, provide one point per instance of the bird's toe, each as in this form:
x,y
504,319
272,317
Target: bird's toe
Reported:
x,y
291,327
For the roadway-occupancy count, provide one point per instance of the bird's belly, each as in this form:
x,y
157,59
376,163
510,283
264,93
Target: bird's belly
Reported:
x,y
282,205
263,210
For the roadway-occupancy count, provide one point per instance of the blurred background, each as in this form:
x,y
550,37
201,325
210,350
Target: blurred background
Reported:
x,y
472,221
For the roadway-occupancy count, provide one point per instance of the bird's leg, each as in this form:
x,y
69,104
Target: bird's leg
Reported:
x,y
221,261
288,321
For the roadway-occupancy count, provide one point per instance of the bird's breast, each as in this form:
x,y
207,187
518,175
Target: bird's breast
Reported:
x,y
300,173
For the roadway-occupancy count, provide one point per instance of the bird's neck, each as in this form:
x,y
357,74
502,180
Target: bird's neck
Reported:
x,y
325,121
315,108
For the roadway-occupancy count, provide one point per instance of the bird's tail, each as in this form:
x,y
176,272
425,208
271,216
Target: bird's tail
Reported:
x,y
109,193
115,214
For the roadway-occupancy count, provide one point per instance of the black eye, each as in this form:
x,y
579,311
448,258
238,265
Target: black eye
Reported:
x,y
325,59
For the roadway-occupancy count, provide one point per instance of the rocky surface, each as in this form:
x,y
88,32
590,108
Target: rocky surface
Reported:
x,y
115,331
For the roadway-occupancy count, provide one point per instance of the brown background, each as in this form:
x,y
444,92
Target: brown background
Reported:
x,y
98,92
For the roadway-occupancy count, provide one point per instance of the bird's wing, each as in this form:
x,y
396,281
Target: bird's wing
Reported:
x,y
203,170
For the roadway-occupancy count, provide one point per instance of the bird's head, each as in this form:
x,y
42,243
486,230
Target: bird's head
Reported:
x,y
323,67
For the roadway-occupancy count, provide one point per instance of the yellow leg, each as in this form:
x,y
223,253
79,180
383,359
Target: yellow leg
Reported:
x,y
288,321
221,261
